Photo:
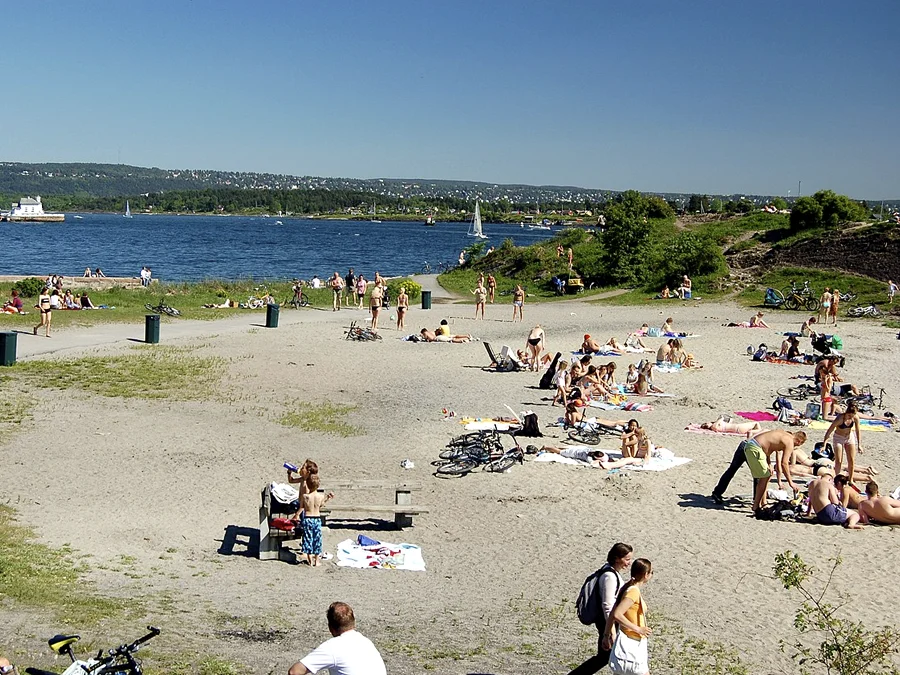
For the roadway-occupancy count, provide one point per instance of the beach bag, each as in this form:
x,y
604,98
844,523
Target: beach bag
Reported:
x,y
836,342
629,656
530,427
784,415
587,606
823,451
780,510
812,411
283,524
654,332
760,353
781,403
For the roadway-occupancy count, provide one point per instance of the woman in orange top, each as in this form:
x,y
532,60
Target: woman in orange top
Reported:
x,y
629,653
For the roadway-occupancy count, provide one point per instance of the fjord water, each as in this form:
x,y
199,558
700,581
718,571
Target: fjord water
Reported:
x,y
189,248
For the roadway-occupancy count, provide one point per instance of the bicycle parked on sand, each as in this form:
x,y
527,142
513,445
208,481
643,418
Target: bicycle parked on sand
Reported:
x,y
797,298
117,661
163,308
482,448
592,434
361,333
863,310
298,298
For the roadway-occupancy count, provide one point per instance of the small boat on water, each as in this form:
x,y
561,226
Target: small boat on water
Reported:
x,y
429,221
127,213
539,227
31,210
374,212
78,217
475,229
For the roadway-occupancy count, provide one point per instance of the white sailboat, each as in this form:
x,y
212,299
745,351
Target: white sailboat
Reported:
x,y
127,210
374,219
475,229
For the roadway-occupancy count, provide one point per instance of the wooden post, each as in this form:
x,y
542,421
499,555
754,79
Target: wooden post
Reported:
x,y
268,546
402,497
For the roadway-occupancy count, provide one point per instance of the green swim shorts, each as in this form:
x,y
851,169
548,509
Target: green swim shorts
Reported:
x,y
756,459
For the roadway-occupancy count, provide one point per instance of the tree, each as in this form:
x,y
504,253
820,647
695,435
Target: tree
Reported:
x,y
806,213
626,243
688,253
780,203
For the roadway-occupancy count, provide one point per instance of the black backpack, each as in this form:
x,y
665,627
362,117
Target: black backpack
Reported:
x,y
547,378
530,427
587,606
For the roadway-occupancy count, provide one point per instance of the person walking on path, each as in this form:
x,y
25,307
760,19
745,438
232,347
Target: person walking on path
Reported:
x,y
402,308
361,286
628,650
609,581
756,453
518,302
346,653
480,294
337,290
45,308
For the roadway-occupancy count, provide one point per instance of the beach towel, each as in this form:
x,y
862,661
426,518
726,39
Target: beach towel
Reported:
x,y
490,425
632,406
784,362
758,416
601,352
875,426
697,429
380,556
671,334
667,368
666,459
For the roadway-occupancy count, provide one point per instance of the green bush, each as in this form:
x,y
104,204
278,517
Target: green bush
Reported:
x,y
413,290
30,287
688,253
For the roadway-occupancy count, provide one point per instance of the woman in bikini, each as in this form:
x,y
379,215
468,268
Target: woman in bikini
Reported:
x,y
518,303
44,308
726,426
402,307
375,298
825,304
826,381
535,346
634,441
833,310
845,430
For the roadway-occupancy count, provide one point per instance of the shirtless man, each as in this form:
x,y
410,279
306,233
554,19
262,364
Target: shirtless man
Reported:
x,y
590,345
825,501
758,453
878,509
593,457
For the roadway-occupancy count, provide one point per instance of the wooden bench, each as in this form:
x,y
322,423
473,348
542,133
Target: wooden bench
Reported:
x,y
270,540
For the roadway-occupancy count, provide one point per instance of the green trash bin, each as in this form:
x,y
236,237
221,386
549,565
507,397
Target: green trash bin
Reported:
x,y
272,315
7,349
151,329
426,298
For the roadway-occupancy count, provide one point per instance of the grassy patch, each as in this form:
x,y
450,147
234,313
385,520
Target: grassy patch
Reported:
x,y
870,291
15,412
729,229
147,373
325,417
37,575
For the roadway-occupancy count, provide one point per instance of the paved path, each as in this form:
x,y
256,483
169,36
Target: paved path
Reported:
x,y
439,294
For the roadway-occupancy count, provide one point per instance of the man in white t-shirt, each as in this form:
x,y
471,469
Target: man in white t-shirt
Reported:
x,y
347,653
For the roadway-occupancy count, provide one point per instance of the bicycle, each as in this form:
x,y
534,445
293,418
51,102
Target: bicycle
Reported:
x,y
426,268
801,392
361,334
117,661
260,300
298,298
497,462
795,298
849,296
592,434
163,308
863,310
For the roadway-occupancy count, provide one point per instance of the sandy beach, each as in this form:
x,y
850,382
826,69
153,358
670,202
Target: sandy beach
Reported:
x,y
146,491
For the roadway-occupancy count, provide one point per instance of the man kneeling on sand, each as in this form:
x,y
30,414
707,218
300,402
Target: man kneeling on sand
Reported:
x,y
825,501
878,509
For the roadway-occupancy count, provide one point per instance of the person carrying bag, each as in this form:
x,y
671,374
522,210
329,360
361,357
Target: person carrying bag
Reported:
x,y
629,654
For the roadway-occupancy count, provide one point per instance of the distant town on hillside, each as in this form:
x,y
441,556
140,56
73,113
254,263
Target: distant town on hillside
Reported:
x,y
111,180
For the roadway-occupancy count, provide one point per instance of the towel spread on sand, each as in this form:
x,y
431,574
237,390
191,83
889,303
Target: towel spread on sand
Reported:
x,y
380,556
491,425
875,426
667,368
784,362
632,406
667,460
679,335
758,416
601,352
697,429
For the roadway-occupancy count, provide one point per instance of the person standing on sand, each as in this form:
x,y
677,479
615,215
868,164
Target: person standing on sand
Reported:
x,y
349,287
835,302
361,285
757,452
535,345
337,290
346,653
375,298
518,302
402,308
609,582
892,291
492,287
480,294
312,502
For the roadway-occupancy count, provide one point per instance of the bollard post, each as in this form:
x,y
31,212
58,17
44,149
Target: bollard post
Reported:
x,y
151,329
426,298
272,312
8,348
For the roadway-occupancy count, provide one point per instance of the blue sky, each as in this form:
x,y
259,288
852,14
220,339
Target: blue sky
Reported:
x,y
661,95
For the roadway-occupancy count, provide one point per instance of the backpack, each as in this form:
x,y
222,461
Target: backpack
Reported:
x,y
781,403
760,353
547,378
530,427
780,510
587,606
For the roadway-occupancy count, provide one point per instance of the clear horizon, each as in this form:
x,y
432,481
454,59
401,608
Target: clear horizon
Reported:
x,y
701,98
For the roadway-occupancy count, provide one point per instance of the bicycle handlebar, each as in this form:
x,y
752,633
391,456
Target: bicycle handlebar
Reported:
x,y
125,650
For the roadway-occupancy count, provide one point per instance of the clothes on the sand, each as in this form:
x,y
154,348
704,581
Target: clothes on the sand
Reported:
x,y
312,535
756,458
581,454
832,514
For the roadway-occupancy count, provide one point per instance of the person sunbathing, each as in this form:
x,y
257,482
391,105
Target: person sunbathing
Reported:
x,y
613,344
724,425
608,378
664,294
690,361
590,345
667,326
662,354
634,441
593,457
756,321
430,336
878,509
590,383
14,304
825,501
634,341
86,301
580,368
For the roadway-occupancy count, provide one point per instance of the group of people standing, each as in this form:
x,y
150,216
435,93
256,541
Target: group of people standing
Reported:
x,y
486,290
351,290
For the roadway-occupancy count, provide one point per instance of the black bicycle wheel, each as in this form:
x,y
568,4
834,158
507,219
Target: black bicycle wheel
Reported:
x,y
586,436
458,467
503,463
796,393
465,439
304,300
790,302
812,305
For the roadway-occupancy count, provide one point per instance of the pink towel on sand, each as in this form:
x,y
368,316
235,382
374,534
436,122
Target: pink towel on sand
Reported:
x,y
758,416
697,429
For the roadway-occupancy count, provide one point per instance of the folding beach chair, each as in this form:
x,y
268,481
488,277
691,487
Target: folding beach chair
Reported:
x,y
503,362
